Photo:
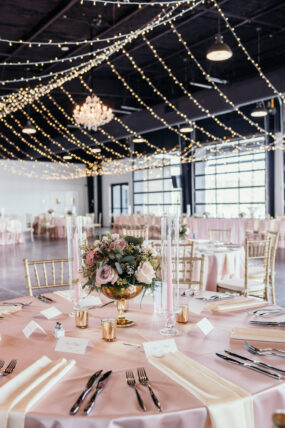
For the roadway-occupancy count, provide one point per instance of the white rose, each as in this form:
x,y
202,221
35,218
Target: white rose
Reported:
x,y
115,236
150,250
145,273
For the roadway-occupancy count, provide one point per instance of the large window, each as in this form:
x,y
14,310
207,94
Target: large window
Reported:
x,y
120,198
154,189
231,180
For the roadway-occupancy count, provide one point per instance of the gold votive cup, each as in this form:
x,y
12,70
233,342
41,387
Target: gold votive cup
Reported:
x,y
183,315
81,317
122,304
109,329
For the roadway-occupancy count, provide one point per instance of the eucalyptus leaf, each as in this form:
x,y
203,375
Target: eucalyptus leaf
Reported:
x,y
118,267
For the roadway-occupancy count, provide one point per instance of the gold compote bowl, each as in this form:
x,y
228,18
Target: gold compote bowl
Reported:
x,y
121,295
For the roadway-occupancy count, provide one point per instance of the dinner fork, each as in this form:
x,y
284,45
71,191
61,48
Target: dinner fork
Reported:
x,y
9,368
132,383
253,350
16,303
2,362
143,379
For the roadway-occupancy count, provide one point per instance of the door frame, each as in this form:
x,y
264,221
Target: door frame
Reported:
x,y
121,196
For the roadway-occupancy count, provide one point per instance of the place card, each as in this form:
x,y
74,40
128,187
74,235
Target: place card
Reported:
x,y
31,327
205,326
51,312
158,348
74,345
90,301
196,306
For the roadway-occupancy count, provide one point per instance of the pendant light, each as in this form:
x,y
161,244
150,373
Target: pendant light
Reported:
x,y
138,139
29,128
259,110
219,51
186,128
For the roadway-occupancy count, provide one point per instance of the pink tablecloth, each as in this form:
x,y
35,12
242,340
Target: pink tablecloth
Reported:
x,y
117,405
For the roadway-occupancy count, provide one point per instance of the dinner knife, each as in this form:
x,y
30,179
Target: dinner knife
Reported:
x,y
257,362
100,385
74,409
250,366
47,298
268,323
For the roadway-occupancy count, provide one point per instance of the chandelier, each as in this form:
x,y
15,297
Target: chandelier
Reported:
x,y
93,113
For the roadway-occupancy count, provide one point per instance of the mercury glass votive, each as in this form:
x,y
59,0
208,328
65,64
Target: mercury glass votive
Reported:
x,y
81,317
109,329
183,315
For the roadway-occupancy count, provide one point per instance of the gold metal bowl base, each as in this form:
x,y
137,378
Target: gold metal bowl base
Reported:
x,y
125,323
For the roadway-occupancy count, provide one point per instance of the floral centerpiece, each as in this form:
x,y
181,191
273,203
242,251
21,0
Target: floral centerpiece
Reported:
x,y
183,231
119,267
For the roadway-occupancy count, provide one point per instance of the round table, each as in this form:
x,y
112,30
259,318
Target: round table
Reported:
x,y
117,405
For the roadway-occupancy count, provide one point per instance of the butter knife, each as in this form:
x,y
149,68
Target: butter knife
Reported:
x,y
100,385
268,323
250,367
47,298
74,409
256,362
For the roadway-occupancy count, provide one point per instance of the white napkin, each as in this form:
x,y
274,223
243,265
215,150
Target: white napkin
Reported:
x,y
89,300
261,334
228,404
236,304
7,309
22,392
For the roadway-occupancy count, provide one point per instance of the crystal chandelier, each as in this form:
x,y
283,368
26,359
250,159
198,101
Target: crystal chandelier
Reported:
x,y
93,113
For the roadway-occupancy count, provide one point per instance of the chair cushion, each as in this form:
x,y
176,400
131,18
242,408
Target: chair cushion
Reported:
x,y
237,284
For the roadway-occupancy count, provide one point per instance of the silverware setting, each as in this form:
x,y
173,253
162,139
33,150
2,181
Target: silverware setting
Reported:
x,y
217,297
266,351
137,345
189,292
9,369
74,409
268,323
101,306
100,385
256,362
250,366
16,304
143,379
262,312
132,383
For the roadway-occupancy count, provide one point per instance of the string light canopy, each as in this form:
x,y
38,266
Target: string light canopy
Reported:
x,y
92,114
29,128
187,128
219,51
259,110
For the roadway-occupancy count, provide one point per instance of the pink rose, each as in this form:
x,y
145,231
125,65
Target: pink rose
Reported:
x,y
121,243
106,274
145,273
90,258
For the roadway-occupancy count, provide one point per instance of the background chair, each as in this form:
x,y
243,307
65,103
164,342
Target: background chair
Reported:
x,y
139,231
98,226
256,272
222,235
47,274
190,268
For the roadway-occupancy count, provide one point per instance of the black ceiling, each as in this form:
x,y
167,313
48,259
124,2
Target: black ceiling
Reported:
x,y
61,20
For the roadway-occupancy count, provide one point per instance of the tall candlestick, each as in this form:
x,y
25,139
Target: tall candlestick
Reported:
x,y
169,276
76,268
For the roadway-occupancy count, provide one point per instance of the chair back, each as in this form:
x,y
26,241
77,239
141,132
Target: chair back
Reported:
x,y
191,271
138,231
91,216
46,274
256,256
222,235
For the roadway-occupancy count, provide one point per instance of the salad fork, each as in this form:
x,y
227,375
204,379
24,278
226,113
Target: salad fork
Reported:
x,y
143,379
132,383
9,368
267,351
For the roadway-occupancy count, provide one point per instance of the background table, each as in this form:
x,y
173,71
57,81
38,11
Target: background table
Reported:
x,y
117,406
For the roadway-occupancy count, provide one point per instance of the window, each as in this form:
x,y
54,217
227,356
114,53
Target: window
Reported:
x,y
232,180
153,187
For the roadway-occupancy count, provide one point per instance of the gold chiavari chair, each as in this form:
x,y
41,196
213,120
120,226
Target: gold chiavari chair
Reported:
x,y
256,272
98,226
274,238
138,231
186,271
47,274
222,235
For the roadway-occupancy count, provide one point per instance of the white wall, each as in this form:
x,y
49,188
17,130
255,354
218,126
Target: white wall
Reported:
x,y
21,195
107,180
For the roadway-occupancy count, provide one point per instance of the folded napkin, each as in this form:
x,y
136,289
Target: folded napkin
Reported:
x,y
19,394
86,301
261,334
7,309
228,404
236,304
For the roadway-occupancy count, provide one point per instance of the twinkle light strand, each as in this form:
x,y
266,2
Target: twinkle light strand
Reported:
x,y
249,58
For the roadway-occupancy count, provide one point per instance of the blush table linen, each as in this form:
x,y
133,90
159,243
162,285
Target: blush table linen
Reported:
x,y
117,406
